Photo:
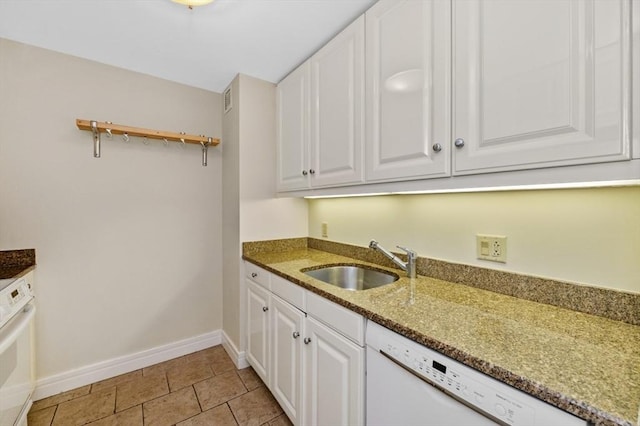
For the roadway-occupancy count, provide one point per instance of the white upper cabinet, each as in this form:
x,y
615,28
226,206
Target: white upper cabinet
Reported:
x,y
540,83
293,130
466,87
321,118
337,115
407,88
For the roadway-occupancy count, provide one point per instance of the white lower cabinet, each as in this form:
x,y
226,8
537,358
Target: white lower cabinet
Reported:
x,y
258,300
315,372
286,368
334,377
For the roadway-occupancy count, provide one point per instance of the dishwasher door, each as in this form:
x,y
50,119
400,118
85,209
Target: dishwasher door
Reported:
x,y
397,397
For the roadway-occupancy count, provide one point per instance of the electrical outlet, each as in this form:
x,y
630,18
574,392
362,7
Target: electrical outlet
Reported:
x,y
491,247
325,230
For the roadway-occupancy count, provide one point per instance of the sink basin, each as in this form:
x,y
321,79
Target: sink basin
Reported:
x,y
352,277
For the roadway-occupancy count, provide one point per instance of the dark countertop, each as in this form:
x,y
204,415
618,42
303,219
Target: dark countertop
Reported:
x,y
15,263
585,364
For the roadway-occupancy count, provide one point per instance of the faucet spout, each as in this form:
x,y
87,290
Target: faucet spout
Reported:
x,y
409,267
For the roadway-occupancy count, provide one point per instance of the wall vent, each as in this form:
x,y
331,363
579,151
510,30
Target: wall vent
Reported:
x,y
228,104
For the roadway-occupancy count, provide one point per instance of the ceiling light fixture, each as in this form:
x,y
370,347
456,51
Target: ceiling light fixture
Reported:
x,y
191,3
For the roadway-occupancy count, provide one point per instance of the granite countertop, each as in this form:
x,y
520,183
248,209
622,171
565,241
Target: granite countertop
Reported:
x,y
585,364
15,263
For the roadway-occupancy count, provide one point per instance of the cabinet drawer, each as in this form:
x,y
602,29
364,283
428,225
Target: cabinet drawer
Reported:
x,y
341,319
288,291
257,274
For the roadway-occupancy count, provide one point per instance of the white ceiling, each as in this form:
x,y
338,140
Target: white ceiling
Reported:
x,y
204,47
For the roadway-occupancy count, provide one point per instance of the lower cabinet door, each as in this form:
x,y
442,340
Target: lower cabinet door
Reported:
x,y
334,377
286,346
258,300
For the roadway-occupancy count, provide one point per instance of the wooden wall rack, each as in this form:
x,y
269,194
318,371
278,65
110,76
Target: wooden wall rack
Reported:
x,y
98,127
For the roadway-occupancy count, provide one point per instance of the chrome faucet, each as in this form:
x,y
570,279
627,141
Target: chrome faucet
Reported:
x,y
409,267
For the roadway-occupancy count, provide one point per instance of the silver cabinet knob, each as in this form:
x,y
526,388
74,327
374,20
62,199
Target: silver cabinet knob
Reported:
x,y
253,275
437,147
312,172
296,334
265,308
304,173
459,143
307,340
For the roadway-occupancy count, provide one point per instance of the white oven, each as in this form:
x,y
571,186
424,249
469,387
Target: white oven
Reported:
x,y
16,338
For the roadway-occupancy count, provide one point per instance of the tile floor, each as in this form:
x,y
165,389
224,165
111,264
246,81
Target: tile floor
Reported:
x,y
203,388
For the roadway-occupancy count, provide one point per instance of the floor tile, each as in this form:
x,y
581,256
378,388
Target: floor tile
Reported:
x,y
250,379
281,420
187,374
139,390
104,384
130,417
162,367
61,397
219,416
209,354
255,408
41,417
86,408
222,363
219,389
170,409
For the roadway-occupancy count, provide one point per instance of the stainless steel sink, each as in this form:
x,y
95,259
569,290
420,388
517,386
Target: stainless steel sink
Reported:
x,y
352,277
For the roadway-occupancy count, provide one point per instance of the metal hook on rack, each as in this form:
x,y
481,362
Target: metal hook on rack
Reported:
x,y
205,148
165,141
182,139
109,134
96,139
145,140
125,137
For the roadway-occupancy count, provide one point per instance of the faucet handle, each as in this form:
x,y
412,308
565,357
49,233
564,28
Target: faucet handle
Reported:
x,y
410,253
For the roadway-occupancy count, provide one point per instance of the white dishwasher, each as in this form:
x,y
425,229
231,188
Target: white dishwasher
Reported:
x,y
409,384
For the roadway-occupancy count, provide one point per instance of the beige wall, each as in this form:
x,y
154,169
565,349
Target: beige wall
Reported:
x,y
589,236
128,246
250,210
231,217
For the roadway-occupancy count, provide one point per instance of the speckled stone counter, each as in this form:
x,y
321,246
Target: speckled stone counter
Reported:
x,y
584,364
14,263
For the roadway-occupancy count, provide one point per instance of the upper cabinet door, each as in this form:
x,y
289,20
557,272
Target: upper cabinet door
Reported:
x,y
336,112
540,83
408,84
293,130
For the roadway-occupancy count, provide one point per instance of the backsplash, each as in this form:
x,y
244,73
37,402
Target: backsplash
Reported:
x,y
613,304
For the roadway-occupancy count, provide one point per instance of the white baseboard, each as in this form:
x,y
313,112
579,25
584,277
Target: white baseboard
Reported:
x,y
83,376
239,358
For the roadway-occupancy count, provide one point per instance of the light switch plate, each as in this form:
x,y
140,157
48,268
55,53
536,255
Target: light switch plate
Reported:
x,y
491,247
325,230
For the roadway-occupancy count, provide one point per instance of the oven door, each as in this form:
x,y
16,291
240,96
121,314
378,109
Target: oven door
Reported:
x,y
16,373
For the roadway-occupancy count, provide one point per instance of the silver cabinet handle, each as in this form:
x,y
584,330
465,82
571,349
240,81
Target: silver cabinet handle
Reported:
x,y
296,334
437,147
304,173
459,143
265,308
312,172
253,275
307,340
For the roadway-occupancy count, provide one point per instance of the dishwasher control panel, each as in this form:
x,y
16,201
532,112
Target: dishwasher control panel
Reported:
x,y
496,400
